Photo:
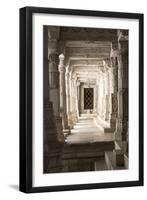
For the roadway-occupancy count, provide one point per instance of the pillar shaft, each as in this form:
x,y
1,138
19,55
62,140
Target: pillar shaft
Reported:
x,y
114,101
52,141
122,124
77,97
67,92
107,94
53,36
54,82
63,113
121,132
74,100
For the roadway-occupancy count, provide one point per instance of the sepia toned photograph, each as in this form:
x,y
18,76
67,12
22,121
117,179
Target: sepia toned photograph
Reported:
x,y
81,99
85,99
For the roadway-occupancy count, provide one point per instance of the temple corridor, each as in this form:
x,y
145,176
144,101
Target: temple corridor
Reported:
x,y
86,130
85,99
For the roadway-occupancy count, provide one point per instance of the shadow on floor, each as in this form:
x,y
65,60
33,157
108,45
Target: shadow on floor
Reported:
x,y
14,187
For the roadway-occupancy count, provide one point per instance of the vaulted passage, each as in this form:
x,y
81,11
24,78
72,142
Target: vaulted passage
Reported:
x,y
85,99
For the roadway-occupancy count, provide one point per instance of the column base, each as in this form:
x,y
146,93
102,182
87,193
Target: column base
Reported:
x,y
119,158
72,119
66,131
116,160
112,128
119,153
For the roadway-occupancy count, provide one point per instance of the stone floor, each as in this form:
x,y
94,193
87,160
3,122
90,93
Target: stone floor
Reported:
x,y
87,130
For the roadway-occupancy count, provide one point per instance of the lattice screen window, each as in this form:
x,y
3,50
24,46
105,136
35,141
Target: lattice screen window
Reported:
x,y
88,98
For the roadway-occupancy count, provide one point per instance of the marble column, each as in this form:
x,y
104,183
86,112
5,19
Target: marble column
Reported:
x,y
53,37
52,142
114,93
67,92
80,98
63,113
70,97
102,99
54,91
113,79
97,96
100,95
122,97
70,121
122,121
77,95
107,96
54,81
74,100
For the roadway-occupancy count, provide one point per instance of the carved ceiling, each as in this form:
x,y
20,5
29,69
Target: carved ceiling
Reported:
x,y
85,58
81,33
85,49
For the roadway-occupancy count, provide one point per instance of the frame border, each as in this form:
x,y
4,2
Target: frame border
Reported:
x,y
25,99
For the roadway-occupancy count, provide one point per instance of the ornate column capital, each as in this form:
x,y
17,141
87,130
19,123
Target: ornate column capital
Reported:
x,y
53,33
53,37
61,67
123,41
53,71
61,57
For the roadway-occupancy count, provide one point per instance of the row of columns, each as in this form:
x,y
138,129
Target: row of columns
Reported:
x,y
104,92
119,100
112,100
62,93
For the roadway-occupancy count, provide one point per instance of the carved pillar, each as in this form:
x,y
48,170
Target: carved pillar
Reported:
x,y
102,98
52,142
80,98
54,81
107,96
70,121
113,78
104,93
114,93
120,66
122,97
53,36
52,158
74,100
122,122
77,95
67,92
97,96
63,113
100,95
